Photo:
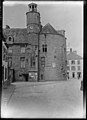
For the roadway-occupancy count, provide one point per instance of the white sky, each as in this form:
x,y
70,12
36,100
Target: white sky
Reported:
x,y
61,15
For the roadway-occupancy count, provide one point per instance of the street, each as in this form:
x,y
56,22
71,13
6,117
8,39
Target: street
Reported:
x,y
54,99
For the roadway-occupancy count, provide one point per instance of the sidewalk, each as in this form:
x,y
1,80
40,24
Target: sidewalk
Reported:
x,y
6,94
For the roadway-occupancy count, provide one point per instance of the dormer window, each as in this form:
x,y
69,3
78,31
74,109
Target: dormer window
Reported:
x,y
33,6
10,38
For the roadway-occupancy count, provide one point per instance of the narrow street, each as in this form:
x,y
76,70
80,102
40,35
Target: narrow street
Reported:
x,y
56,99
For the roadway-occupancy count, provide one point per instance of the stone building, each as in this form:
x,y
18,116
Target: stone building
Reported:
x,y
4,64
36,53
74,65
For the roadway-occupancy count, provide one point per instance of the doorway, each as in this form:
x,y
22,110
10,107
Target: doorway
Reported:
x,y
79,75
32,76
73,75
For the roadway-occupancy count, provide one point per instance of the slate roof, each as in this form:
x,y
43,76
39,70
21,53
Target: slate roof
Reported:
x,y
73,56
48,29
22,34
16,32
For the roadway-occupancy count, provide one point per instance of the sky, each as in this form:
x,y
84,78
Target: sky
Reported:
x,y
66,16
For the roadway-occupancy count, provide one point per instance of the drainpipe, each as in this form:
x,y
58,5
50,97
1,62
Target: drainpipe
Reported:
x,y
38,58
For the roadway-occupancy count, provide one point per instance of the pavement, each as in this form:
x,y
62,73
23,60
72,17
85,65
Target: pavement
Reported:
x,y
7,93
54,99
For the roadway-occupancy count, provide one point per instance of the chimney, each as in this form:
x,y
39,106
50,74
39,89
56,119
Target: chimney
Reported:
x,y
70,49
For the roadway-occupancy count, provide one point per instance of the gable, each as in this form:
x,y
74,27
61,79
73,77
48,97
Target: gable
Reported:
x,y
48,29
73,56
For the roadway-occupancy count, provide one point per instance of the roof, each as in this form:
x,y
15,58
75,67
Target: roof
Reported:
x,y
16,32
73,56
32,4
48,29
22,35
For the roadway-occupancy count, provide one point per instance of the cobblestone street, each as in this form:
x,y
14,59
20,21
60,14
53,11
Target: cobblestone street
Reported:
x,y
56,99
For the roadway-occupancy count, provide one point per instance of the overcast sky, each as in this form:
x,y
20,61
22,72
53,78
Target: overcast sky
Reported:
x,y
66,16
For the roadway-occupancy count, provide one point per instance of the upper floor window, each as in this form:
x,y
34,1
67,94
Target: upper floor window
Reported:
x,y
73,68
78,62
10,38
42,61
67,62
68,68
44,48
22,59
9,61
35,46
10,50
32,64
79,68
22,49
73,62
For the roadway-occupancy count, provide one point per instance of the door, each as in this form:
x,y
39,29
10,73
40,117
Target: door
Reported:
x,y
32,76
73,75
13,76
79,75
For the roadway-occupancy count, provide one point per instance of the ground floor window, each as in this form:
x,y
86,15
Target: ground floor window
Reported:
x,y
41,76
73,75
68,75
5,73
79,75
2,73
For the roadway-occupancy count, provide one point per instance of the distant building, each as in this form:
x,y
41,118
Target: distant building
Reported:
x,y
74,65
4,63
36,53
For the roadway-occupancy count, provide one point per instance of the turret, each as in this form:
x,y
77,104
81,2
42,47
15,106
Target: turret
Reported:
x,y
33,19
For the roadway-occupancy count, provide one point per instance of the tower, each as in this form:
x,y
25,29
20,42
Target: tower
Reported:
x,y
33,19
33,29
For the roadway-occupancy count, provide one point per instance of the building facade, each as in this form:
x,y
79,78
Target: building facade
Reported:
x,y
4,64
74,65
36,53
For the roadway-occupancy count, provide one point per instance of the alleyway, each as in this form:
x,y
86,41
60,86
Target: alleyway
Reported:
x,y
60,99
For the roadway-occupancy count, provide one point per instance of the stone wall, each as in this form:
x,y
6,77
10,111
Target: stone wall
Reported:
x,y
55,56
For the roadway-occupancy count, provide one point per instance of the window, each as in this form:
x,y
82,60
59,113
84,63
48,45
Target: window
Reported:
x,y
72,67
32,61
9,61
67,62
68,68
35,47
10,38
4,56
54,56
78,62
2,73
5,73
10,50
32,6
42,61
78,67
41,76
73,75
44,48
79,75
72,62
22,59
22,49
68,75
